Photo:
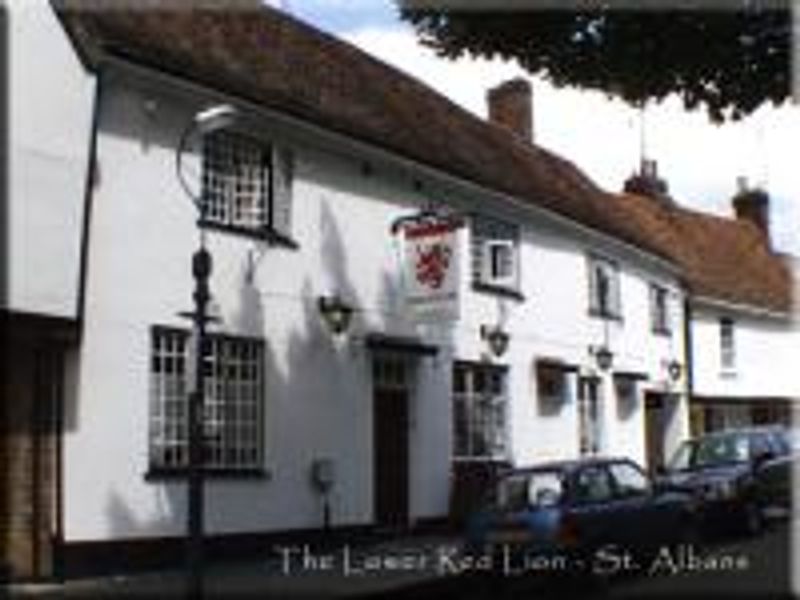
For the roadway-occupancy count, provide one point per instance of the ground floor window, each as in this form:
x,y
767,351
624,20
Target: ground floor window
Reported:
x,y
233,401
479,411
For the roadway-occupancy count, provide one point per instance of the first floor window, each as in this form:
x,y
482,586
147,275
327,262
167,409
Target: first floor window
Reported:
x,y
479,411
494,252
659,310
727,347
232,401
604,288
247,183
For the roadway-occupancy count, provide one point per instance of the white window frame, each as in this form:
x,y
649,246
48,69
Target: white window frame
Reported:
x,y
484,411
493,265
591,421
613,307
727,344
246,183
233,402
660,315
488,236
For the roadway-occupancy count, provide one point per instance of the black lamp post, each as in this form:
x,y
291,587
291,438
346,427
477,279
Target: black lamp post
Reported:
x,y
204,122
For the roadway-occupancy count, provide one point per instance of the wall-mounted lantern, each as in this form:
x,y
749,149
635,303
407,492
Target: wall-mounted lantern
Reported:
x,y
496,338
603,356
336,313
674,370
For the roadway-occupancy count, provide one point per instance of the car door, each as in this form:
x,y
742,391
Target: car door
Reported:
x,y
640,516
591,505
772,471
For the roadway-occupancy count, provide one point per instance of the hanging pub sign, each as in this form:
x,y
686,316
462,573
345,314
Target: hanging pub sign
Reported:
x,y
431,262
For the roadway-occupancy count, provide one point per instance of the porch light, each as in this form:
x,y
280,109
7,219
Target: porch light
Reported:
x,y
336,313
604,357
674,370
497,339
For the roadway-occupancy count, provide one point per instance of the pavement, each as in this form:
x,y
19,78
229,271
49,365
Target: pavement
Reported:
x,y
296,571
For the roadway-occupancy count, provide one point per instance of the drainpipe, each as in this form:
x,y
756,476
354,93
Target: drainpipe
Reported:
x,y
688,355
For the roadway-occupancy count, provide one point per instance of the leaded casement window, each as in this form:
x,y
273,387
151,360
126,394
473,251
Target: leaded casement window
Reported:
x,y
247,184
604,288
479,412
727,344
660,310
233,403
494,253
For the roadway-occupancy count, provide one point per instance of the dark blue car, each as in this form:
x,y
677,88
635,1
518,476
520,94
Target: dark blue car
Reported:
x,y
735,475
565,515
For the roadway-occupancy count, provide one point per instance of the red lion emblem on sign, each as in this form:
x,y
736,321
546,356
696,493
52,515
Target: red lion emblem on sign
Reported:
x,y
432,264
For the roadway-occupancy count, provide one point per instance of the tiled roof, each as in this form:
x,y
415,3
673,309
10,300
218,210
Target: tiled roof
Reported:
x,y
262,55
721,258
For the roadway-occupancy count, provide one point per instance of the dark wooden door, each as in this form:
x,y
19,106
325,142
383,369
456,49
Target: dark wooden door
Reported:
x,y
390,443
29,393
654,430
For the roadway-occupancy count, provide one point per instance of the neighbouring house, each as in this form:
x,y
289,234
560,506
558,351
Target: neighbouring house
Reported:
x,y
743,337
563,331
45,133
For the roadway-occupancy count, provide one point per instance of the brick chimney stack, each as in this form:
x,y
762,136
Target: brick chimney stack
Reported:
x,y
648,183
752,204
510,105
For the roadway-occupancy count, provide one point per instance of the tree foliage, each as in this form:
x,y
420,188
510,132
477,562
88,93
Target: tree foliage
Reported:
x,y
728,61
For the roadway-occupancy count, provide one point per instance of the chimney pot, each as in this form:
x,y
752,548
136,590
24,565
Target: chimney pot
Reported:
x,y
510,106
647,182
752,205
741,184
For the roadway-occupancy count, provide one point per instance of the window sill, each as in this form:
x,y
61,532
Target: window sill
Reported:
x,y
178,474
553,400
488,288
269,235
598,314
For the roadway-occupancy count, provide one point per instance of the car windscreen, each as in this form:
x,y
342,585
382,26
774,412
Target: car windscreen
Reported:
x,y
711,451
536,488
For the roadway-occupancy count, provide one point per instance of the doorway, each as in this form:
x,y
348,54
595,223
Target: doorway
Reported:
x,y
31,393
391,396
654,430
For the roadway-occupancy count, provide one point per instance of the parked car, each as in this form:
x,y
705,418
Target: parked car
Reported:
x,y
734,475
574,509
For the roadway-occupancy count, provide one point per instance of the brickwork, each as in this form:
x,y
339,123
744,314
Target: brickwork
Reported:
x,y
510,105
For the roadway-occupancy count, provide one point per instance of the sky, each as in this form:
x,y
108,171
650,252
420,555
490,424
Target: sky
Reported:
x,y
602,136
